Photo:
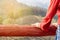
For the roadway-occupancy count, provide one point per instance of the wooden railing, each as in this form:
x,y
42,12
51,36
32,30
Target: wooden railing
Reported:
x,y
22,30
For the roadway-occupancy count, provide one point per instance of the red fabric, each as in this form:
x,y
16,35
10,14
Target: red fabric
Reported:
x,y
54,8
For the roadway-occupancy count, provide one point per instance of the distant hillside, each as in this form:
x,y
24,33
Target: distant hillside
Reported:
x,y
12,6
13,9
39,11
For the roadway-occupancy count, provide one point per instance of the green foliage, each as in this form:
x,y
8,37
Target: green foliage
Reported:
x,y
1,19
27,20
8,21
20,13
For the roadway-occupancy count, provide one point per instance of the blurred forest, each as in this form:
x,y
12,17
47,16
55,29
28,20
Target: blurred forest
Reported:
x,y
12,12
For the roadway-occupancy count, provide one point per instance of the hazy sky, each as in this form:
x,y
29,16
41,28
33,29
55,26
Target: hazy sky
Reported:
x,y
39,3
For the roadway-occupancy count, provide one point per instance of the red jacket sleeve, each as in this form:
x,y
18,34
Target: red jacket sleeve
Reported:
x,y
52,9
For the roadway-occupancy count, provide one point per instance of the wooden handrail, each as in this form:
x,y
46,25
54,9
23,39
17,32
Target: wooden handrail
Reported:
x,y
22,30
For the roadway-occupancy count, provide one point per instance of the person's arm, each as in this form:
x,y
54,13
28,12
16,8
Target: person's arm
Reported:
x,y
44,25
